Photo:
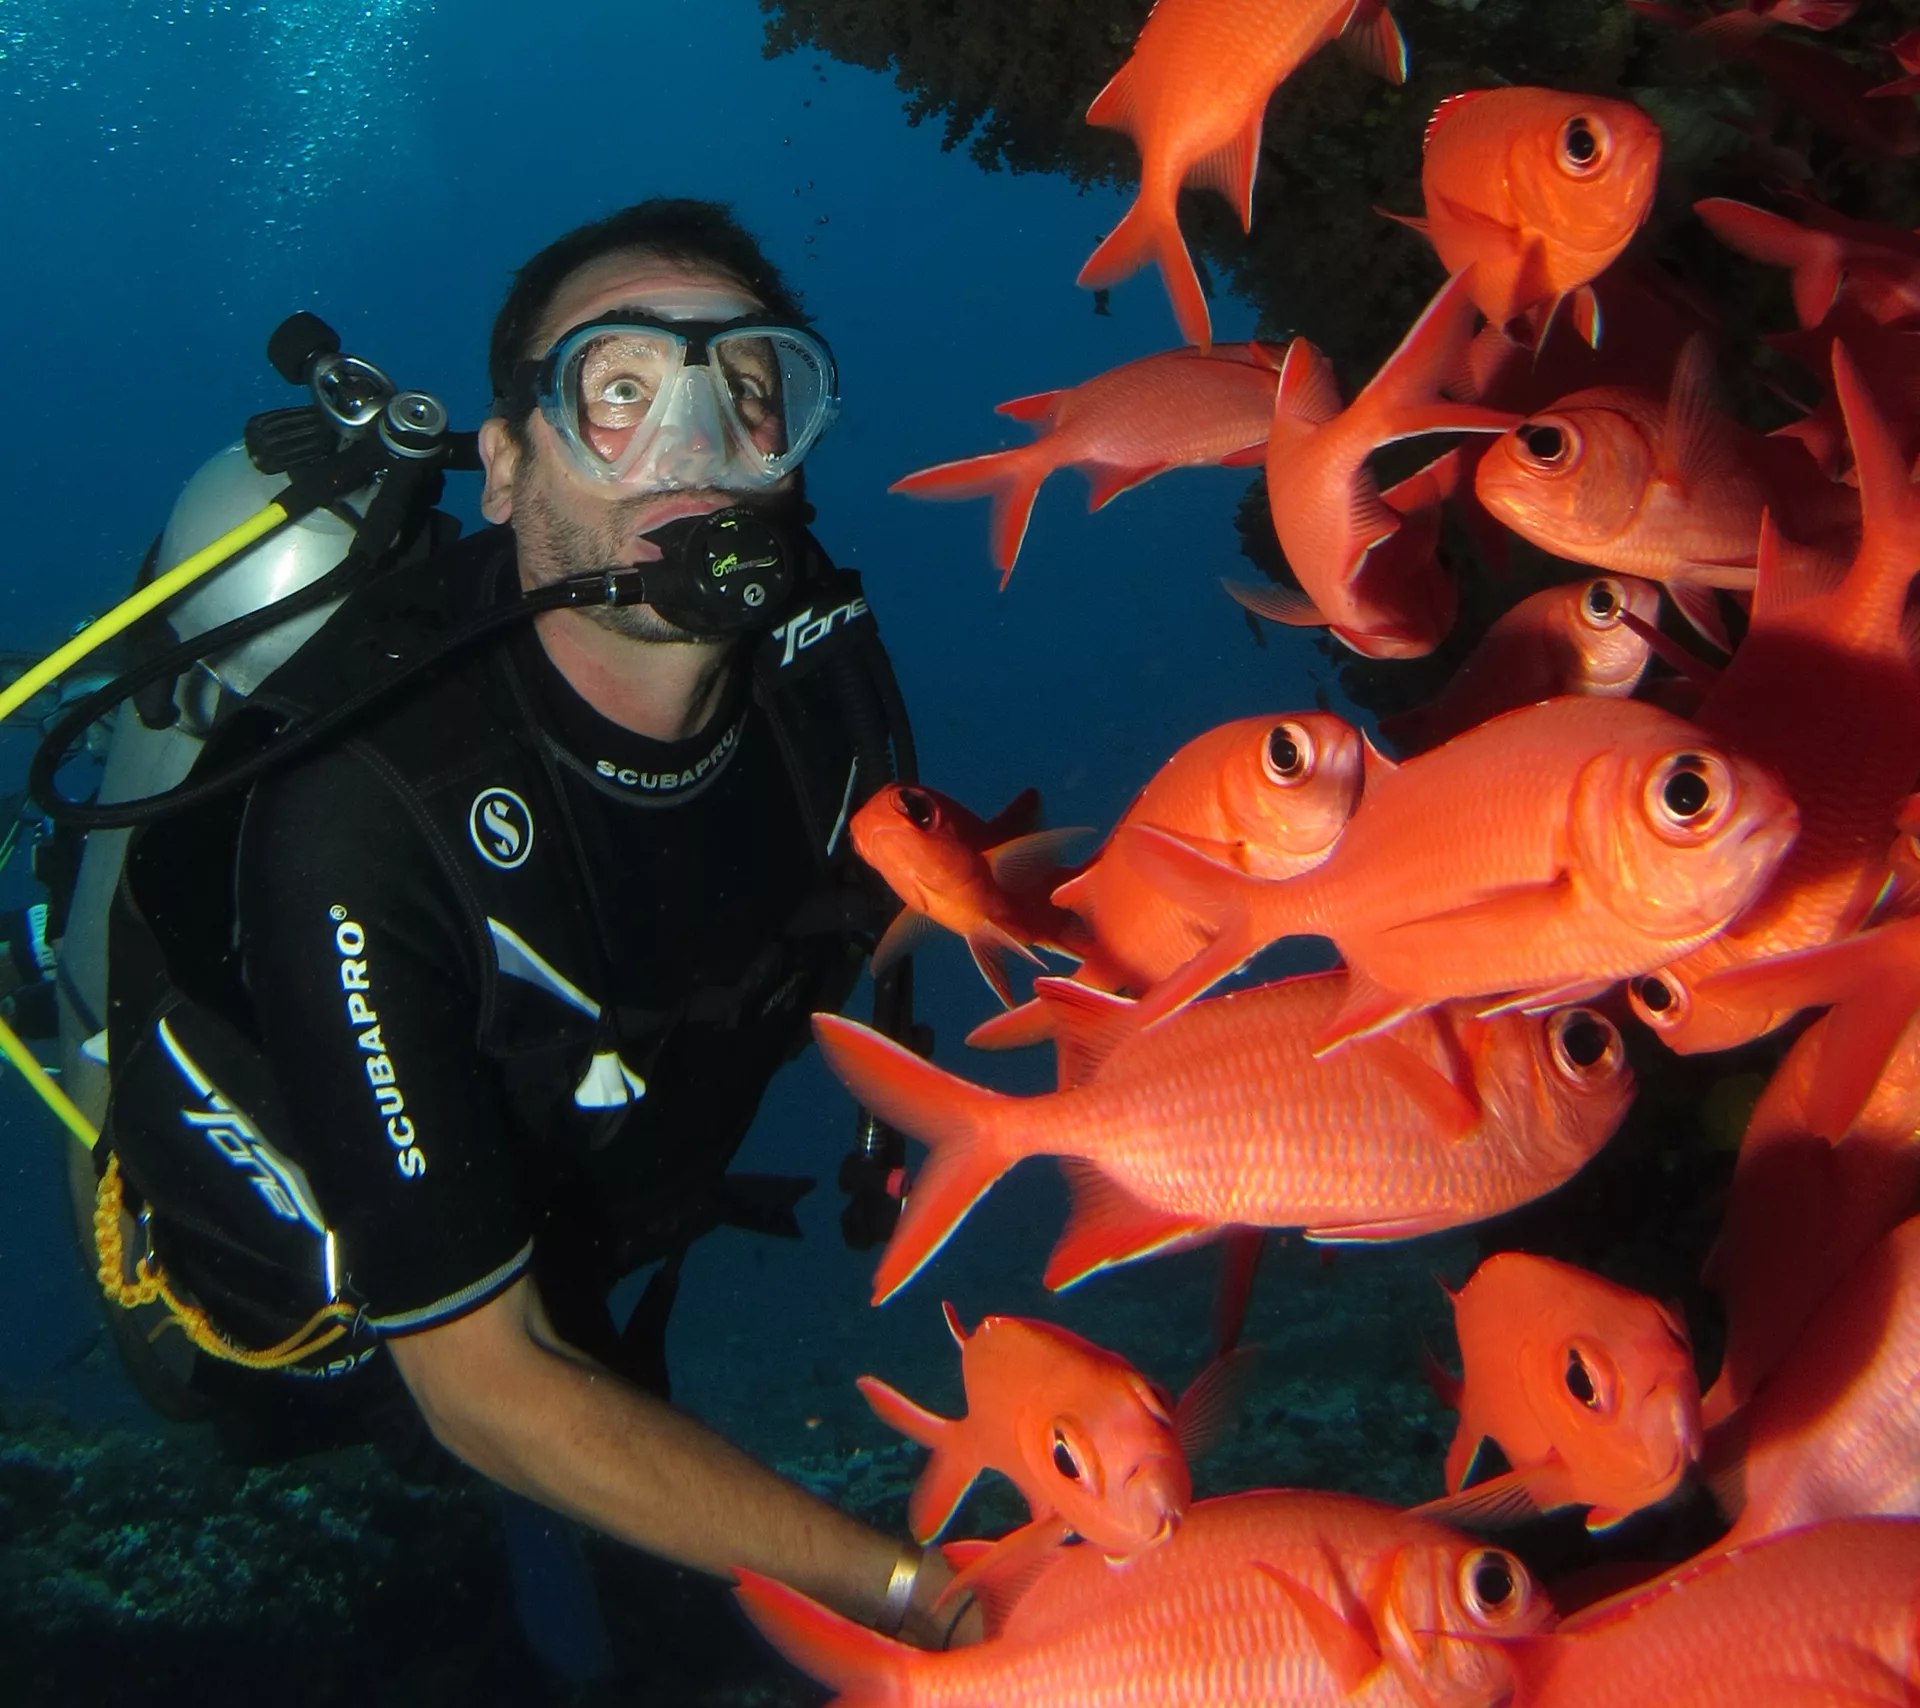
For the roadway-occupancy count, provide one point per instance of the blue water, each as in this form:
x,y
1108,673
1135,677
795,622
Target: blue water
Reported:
x,y
176,177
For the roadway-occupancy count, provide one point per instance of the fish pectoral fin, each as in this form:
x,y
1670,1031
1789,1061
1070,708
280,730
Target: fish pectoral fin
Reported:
x,y
1698,602
1369,1008
1034,863
1349,1646
1520,910
909,929
1468,216
1107,1225
1277,604
1454,1110
1210,1402
1001,1574
1505,1499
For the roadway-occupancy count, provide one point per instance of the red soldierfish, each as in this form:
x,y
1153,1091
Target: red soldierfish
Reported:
x,y
1825,691
1193,96
1587,1388
1539,192
982,880
1179,409
1222,1117
1816,1619
1277,1597
1665,488
1835,1433
1336,530
1802,1211
1098,1450
1545,853
1878,267
1562,640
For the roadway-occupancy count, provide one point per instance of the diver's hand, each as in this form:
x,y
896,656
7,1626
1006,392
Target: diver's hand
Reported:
x,y
949,1627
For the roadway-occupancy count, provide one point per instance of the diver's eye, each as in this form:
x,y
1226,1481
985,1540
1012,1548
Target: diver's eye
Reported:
x,y
1604,601
623,391
1579,1379
917,805
1580,144
1493,1585
1544,444
1063,1459
1289,753
1582,1041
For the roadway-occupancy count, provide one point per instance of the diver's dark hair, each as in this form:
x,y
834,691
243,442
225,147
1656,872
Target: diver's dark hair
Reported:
x,y
675,228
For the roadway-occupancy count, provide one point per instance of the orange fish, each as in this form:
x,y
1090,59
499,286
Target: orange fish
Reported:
x,y
1665,488
1815,1619
1276,1597
1548,852
1222,1117
1801,1211
1573,639
1098,1450
1586,1387
1877,266
978,879
1179,409
1538,192
1836,1433
1338,533
1193,96
1825,691
1906,52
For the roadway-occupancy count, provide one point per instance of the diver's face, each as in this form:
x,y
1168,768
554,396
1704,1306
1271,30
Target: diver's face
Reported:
x,y
564,520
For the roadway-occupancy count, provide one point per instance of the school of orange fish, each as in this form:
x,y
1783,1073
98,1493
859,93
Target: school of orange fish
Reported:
x,y
1737,845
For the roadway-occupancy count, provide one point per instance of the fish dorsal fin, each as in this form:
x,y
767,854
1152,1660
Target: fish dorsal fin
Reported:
x,y
1040,407
1346,1640
1113,107
1019,817
1451,108
1308,390
1689,432
1088,1025
960,1335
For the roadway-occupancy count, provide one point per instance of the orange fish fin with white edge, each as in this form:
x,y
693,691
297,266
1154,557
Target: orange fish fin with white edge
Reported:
x,y
1309,390
1347,1641
1277,604
1019,817
1201,1417
1040,407
1107,1226
1113,107
1105,482
1689,429
867,1669
1782,577
1087,1025
960,1123
990,945
1448,110
1372,40
949,1473
1700,605
1014,1029
1150,231
1011,1566
1033,863
1523,909
1889,498
1413,222
998,1591
909,929
1813,257
1505,1499
1454,1110
1383,1232
1012,479
1404,398
1369,1007
1230,169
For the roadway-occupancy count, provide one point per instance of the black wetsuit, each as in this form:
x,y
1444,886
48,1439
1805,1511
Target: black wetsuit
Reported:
x,y
495,986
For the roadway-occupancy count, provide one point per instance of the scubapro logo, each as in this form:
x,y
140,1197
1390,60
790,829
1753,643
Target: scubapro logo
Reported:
x,y
501,828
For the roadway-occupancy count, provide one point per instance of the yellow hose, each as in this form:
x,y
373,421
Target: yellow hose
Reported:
x,y
46,1086
129,611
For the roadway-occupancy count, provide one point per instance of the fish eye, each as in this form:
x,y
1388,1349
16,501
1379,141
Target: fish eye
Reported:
x,y
1579,1380
917,806
1544,443
1289,756
1492,1585
1063,1459
1583,1041
1688,796
1582,144
1660,1000
1604,601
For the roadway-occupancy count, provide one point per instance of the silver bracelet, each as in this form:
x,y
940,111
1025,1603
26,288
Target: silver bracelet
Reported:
x,y
899,1596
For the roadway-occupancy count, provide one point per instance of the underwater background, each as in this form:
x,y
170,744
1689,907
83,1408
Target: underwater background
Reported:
x,y
177,177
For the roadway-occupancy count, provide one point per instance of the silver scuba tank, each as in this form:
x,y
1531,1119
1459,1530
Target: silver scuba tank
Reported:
x,y
145,761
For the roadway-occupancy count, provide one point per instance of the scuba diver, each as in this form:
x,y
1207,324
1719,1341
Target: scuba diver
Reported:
x,y
441,1028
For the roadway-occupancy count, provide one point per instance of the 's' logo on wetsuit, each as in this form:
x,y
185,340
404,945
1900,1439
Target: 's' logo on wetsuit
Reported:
x,y
501,828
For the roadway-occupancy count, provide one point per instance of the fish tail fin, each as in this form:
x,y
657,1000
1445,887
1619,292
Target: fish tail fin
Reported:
x,y
1372,40
1889,502
1813,257
867,1669
959,1123
1012,479
1151,232
948,1474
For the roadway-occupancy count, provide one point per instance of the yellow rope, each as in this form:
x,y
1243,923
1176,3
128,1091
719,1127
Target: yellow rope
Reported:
x,y
150,1284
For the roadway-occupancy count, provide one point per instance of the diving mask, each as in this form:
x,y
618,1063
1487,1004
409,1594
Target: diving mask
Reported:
x,y
657,406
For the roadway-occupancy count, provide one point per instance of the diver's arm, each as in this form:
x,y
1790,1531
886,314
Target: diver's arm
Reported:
x,y
502,1392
